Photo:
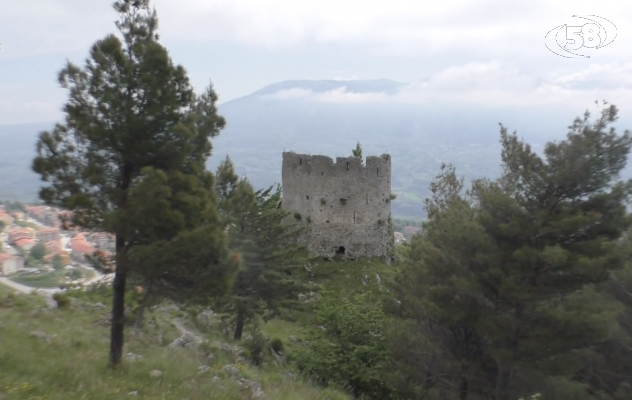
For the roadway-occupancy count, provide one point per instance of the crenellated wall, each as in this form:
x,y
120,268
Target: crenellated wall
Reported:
x,y
344,203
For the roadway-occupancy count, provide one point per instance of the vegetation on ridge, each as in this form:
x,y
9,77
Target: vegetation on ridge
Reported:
x,y
517,287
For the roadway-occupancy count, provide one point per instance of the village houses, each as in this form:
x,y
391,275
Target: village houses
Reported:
x,y
10,264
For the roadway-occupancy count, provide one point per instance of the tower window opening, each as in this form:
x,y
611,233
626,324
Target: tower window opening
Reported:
x,y
347,166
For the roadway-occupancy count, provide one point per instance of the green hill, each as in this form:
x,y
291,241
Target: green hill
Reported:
x,y
57,354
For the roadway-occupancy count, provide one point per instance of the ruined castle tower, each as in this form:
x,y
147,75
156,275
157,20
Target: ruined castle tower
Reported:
x,y
345,205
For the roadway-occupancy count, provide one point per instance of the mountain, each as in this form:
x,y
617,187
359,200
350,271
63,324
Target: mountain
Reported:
x,y
328,117
17,149
324,117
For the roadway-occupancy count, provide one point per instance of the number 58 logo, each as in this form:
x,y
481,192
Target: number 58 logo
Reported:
x,y
593,35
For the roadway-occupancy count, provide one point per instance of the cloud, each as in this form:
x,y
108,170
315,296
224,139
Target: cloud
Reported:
x,y
12,112
499,83
287,94
400,27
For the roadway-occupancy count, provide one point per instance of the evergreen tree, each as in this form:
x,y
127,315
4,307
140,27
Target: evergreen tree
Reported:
x,y
38,251
259,231
58,262
357,152
513,263
135,135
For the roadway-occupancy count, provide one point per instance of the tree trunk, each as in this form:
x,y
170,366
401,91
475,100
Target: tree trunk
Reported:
x,y
239,325
140,313
118,306
502,383
463,390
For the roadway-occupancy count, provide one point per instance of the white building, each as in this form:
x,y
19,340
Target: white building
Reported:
x,y
10,264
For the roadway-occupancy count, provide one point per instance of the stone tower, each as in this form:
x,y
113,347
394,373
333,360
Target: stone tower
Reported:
x,y
345,205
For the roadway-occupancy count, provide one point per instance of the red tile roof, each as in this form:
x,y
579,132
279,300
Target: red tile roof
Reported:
x,y
81,246
21,242
53,246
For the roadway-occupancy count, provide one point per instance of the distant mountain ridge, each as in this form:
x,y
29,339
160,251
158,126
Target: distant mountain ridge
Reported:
x,y
419,138
386,86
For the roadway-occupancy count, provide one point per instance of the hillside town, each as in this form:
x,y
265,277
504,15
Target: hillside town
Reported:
x,y
34,242
22,231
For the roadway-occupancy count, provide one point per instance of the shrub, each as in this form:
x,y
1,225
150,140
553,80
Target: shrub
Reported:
x,y
350,351
277,345
62,300
255,345
297,216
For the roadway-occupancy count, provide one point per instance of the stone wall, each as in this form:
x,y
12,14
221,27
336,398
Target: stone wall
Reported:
x,y
344,203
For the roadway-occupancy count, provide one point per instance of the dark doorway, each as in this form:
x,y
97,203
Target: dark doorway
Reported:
x,y
341,250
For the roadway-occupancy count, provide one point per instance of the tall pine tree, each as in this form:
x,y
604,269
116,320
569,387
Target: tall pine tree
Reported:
x,y
132,120
512,264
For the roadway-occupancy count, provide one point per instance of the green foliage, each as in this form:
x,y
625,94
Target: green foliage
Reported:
x,y
74,274
509,267
256,345
2,225
66,359
265,245
276,344
58,262
347,345
63,301
38,251
139,172
357,152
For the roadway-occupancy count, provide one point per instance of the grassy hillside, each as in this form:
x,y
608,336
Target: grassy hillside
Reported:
x,y
57,354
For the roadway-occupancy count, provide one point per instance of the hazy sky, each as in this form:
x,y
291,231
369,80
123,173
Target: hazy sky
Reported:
x,y
484,51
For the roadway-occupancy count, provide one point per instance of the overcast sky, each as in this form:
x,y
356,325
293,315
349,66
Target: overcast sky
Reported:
x,y
484,51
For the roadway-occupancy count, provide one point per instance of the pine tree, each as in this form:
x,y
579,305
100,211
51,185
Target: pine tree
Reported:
x,y
512,264
259,230
38,251
134,136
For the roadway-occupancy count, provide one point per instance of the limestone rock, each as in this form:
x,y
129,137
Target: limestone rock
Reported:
x,y
232,371
255,388
155,373
132,358
186,341
42,336
202,369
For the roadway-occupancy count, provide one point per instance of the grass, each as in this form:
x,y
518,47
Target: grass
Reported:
x,y
49,279
43,280
5,290
74,364
351,276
